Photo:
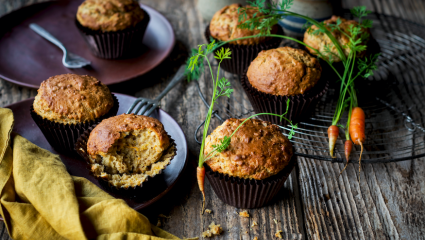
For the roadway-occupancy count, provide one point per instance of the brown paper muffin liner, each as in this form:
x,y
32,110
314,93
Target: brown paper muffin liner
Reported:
x,y
131,192
299,105
243,55
246,193
62,137
113,45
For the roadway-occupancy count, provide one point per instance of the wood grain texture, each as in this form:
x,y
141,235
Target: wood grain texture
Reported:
x,y
315,203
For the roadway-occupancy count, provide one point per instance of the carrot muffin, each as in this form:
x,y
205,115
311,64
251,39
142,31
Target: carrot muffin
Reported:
x,y
284,71
112,28
252,169
127,149
224,27
72,99
282,74
109,15
322,42
258,150
67,104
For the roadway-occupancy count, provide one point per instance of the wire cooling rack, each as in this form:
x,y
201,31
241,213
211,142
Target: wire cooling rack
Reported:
x,y
393,101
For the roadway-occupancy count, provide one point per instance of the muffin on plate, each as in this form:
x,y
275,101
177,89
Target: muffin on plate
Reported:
x,y
112,28
224,27
127,149
66,105
277,75
254,166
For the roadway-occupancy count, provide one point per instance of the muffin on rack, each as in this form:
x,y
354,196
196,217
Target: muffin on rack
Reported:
x,y
277,75
68,104
224,27
323,43
258,152
127,149
112,28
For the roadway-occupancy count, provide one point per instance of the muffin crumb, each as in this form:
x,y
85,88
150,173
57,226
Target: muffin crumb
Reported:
x,y
208,211
212,231
244,214
254,224
278,234
255,238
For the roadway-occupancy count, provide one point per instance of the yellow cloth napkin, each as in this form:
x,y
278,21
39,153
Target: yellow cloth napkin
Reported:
x,y
40,200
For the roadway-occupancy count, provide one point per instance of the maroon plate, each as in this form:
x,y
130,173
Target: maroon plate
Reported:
x,y
153,189
27,59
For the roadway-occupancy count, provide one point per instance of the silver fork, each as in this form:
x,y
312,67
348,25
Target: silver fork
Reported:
x,y
150,105
69,60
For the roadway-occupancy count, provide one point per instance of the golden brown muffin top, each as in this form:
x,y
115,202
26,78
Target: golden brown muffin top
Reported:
x,y
224,25
109,15
321,40
109,130
72,98
284,71
258,150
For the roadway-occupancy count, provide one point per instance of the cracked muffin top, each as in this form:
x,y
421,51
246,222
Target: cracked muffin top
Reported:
x,y
322,42
109,15
224,25
72,99
258,150
284,71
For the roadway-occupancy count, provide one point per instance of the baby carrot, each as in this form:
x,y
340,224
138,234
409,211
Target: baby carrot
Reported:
x,y
357,130
200,175
333,132
347,149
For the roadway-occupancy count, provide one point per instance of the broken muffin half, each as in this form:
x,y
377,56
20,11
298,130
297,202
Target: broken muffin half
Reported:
x,y
126,150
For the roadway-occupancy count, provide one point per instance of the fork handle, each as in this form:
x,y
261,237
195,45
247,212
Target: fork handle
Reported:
x,y
176,79
42,32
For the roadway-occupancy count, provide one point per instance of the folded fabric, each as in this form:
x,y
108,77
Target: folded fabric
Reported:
x,y
40,200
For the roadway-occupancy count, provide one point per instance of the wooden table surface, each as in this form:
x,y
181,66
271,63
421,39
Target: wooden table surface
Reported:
x,y
388,203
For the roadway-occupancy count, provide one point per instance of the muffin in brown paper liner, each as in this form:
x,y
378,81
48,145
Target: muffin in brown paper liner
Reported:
x,y
246,193
299,105
131,192
243,55
119,44
62,137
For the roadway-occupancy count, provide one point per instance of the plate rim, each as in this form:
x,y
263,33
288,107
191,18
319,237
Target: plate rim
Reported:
x,y
169,28
185,147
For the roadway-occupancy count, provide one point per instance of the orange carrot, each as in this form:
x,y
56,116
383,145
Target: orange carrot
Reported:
x,y
333,132
347,149
357,130
200,175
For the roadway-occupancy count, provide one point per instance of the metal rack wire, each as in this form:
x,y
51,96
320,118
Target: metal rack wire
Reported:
x,y
393,101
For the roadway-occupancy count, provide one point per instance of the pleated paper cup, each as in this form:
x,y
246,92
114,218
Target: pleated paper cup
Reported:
x,y
300,105
243,55
131,192
62,137
115,45
246,193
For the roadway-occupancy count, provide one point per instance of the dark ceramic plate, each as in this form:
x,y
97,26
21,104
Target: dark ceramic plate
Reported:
x,y
27,59
151,191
